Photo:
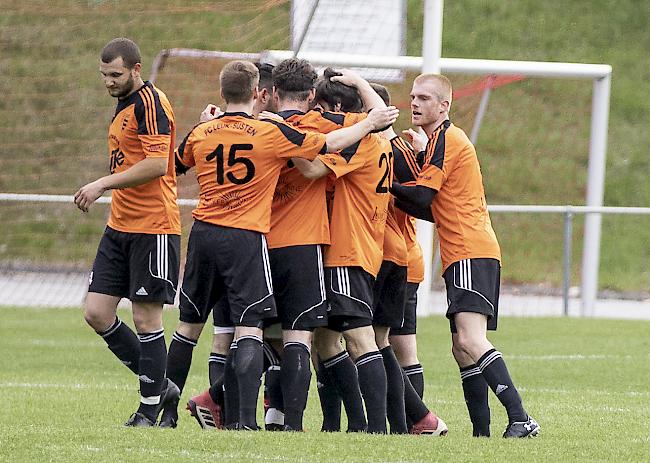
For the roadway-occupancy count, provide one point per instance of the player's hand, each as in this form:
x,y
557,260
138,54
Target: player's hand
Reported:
x,y
210,112
416,139
270,115
88,194
382,118
347,77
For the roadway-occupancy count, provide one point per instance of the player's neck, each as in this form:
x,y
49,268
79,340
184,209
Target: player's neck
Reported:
x,y
293,105
240,108
137,85
429,129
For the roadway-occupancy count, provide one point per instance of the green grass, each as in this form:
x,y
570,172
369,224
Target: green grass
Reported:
x,y
533,145
586,381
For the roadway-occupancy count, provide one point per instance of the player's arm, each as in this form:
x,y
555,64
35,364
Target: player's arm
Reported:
x,y
414,200
139,173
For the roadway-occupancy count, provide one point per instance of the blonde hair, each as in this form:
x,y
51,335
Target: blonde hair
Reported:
x,y
443,85
238,79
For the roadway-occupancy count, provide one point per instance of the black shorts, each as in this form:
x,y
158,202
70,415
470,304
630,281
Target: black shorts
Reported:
x,y
473,286
139,266
299,286
230,262
389,295
349,295
410,320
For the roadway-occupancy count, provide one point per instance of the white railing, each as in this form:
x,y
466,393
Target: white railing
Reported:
x,y
568,211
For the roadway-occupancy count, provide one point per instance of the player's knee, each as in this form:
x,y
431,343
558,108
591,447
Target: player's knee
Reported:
x,y
98,319
467,343
147,319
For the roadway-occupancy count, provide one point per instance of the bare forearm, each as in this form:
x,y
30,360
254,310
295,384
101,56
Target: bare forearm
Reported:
x,y
142,172
342,138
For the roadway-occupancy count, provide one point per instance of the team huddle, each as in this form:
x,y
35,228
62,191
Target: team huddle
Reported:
x,y
303,250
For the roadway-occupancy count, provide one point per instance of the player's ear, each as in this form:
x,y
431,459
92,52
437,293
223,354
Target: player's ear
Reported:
x,y
135,72
312,95
445,105
256,93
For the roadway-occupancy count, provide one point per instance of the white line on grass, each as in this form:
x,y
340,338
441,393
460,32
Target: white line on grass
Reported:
x,y
573,357
115,387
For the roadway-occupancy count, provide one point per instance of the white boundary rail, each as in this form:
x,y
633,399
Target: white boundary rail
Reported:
x,y
567,211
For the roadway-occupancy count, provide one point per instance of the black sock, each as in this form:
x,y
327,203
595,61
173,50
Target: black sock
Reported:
x,y
475,390
344,375
415,374
496,374
415,407
179,359
330,400
372,381
273,387
153,356
296,376
395,411
124,343
216,367
249,362
231,389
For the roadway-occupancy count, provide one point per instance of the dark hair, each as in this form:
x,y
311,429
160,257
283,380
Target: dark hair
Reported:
x,y
381,91
294,78
238,79
334,93
122,47
266,72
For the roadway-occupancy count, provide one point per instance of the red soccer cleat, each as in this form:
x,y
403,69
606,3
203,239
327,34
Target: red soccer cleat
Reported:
x,y
430,425
207,413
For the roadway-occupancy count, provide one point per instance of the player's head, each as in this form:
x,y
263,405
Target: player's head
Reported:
x,y
239,80
334,96
382,92
294,80
430,100
264,100
120,65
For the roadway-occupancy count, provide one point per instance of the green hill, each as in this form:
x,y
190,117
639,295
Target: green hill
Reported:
x,y
533,145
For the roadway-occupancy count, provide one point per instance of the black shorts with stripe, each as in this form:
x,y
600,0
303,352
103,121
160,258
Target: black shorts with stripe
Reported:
x,y
349,297
227,269
299,286
389,295
410,320
473,286
139,266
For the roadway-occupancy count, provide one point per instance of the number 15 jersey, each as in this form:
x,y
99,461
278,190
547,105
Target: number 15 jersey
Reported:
x,y
238,161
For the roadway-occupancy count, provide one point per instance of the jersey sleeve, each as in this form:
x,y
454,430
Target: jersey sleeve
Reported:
x,y
184,154
347,160
292,142
406,166
154,130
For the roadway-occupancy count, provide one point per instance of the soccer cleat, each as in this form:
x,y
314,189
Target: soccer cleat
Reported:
x,y
245,427
430,425
520,429
206,412
169,405
274,427
138,420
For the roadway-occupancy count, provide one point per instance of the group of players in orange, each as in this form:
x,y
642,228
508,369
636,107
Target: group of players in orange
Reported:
x,y
303,249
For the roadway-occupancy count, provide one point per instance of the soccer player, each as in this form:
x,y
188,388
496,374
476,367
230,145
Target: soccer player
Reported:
x,y
238,160
450,186
362,175
138,255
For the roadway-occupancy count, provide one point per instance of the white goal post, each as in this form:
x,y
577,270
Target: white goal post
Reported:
x,y
600,74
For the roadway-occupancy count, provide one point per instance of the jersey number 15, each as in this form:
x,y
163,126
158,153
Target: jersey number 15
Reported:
x,y
232,161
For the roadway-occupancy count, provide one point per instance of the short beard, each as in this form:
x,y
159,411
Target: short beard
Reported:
x,y
128,88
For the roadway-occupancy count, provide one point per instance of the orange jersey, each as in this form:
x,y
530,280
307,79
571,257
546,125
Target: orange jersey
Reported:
x,y
299,210
395,249
407,168
238,161
459,208
143,127
363,173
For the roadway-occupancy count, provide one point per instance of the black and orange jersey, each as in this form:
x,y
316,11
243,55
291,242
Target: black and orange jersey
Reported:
x,y
238,161
395,249
459,208
143,127
363,172
407,167
299,210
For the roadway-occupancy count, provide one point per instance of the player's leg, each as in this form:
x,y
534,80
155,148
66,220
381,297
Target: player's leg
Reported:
x,y
337,366
474,309
273,397
330,399
299,288
108,283
389,298
153,278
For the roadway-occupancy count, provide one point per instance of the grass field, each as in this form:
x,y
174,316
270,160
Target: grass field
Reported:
x,y
586,381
